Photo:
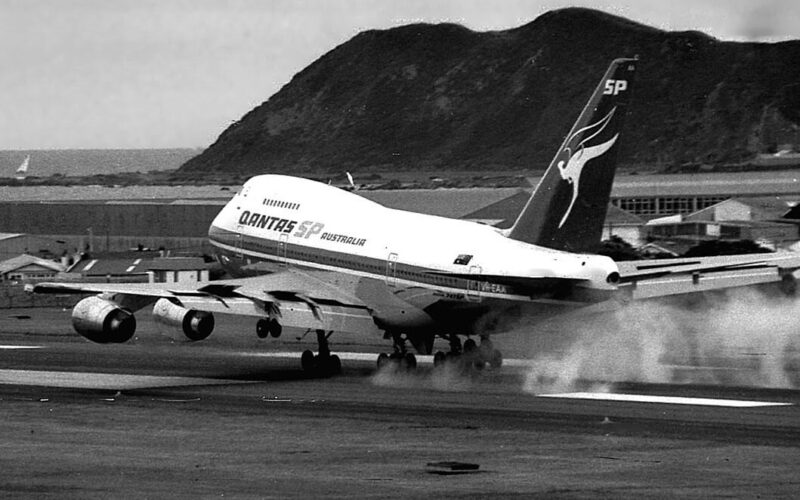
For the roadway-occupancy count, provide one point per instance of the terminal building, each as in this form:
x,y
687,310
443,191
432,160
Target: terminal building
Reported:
x,y
659,195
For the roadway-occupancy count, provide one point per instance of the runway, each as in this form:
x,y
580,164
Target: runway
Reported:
x,y
157,418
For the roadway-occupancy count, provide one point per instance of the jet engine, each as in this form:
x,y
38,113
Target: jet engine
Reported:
x,y
103,321
196,325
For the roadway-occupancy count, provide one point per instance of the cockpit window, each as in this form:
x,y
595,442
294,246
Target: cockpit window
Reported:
x,y
463,259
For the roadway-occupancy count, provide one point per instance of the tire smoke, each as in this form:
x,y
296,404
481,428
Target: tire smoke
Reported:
x,y
739,338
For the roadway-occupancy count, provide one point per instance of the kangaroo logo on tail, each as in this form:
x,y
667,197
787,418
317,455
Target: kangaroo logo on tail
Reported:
x,y
577,160
561,213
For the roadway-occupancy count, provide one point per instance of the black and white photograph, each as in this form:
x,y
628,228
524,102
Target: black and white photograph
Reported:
x,y
399,249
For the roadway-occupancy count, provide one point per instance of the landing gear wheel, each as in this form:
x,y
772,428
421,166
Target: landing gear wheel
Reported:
x,y
268,326
262,328
400,359
307,361
470,346
275,328
334,365
408,362
439,358
496,359
325,365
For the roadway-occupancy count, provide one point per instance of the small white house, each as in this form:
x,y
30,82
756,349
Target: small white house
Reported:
x,y
25,268
177,270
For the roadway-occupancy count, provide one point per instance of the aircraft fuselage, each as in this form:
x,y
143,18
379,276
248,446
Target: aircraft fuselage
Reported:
x,y
422,260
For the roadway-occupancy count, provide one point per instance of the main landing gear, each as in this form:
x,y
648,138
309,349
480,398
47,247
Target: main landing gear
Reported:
x,y
268,326
470,354
401,358
324,363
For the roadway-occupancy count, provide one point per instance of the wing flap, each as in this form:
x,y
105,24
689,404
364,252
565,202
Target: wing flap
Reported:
x,y
140,289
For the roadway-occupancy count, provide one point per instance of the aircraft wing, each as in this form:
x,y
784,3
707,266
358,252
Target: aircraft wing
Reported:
x,y
297,298
663,277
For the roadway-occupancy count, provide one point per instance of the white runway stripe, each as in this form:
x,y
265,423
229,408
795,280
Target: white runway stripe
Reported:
x,y
86,380
12,347
644,398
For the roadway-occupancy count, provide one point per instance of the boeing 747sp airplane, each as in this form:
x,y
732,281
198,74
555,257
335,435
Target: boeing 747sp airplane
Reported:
x,y
325,259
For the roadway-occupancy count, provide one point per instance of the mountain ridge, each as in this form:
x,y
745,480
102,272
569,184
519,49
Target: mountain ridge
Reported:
x,y
441,96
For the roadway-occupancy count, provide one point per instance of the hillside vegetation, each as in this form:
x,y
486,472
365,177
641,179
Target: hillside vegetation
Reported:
x,y
437,97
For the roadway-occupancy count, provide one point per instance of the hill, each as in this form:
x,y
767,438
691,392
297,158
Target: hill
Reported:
x,y
433,97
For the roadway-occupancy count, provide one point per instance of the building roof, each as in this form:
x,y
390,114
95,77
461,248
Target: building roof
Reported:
x,y
106,267
504,211
133,266
23,260
620,217
770,207
729,184
455,203
732,184
176,264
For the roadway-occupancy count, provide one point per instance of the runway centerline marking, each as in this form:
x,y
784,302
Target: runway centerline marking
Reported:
x,y
674,400
12,347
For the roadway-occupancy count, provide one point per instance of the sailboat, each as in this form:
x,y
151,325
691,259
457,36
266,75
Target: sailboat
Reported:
x,y
22,170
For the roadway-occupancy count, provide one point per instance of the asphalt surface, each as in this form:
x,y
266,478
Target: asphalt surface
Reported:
x,y
234,416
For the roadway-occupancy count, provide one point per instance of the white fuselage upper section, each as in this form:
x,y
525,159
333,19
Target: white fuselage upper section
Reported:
x,y
305,213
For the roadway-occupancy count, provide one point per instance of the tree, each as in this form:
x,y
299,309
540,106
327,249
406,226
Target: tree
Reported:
x,y
618,249
718,247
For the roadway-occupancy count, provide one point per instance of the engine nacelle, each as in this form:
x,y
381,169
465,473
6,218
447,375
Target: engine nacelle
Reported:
x,y
103,321
196,325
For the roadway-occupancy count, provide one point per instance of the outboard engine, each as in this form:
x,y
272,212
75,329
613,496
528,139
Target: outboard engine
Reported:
x,y
196,325
103,321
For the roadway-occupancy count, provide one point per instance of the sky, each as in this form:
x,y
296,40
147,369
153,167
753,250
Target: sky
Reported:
x,y
108,74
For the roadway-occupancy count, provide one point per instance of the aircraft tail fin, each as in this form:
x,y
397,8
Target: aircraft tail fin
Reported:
x,y
568,207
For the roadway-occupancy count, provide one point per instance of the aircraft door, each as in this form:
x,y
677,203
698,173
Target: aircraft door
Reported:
x,y
283,249
474,285
238,243
391,269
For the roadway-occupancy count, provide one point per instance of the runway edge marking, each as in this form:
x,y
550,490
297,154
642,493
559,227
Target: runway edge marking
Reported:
x,y
674,400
